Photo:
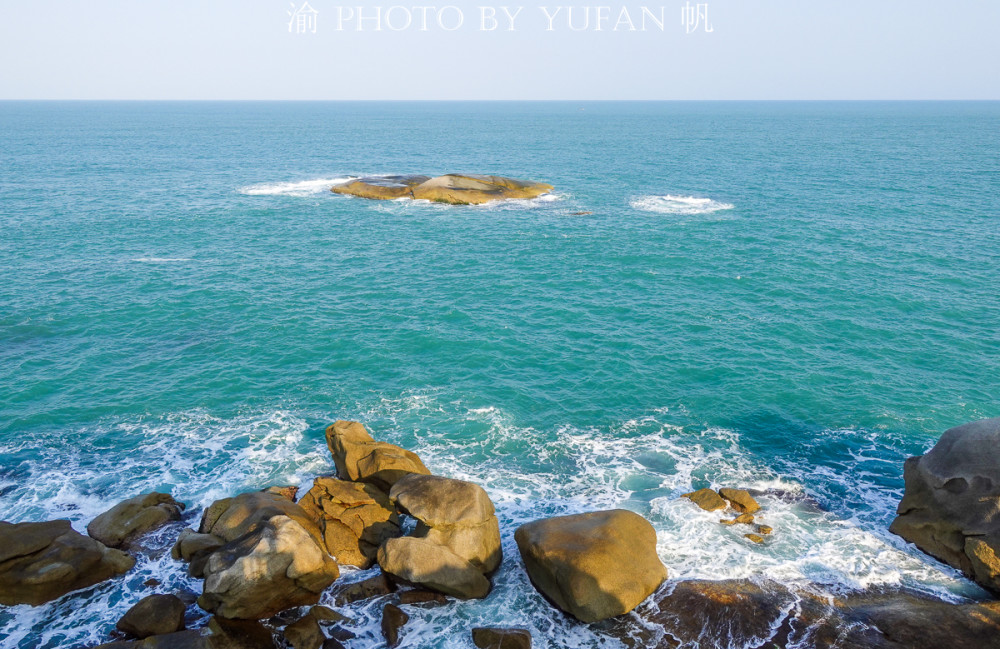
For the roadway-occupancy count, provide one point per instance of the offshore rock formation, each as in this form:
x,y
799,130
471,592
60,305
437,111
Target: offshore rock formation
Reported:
x,y
593,566
40,562
454,189
951,506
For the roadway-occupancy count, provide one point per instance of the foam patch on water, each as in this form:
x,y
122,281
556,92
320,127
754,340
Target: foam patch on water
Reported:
x,y
681,205
294,188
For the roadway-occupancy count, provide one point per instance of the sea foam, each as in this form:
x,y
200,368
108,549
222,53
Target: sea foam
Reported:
x,y
684,205
296,188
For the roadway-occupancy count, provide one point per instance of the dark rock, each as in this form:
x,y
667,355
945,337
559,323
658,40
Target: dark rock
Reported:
x,y
153,615
393,619
593,566
239,634
495,638
372,587
952,499
326,615
133,517
40,562
305,634
410,597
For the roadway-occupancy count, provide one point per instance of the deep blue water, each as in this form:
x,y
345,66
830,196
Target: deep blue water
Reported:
x,y
184,305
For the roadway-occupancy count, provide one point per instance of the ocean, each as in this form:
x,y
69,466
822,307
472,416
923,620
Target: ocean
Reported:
x,y
788,297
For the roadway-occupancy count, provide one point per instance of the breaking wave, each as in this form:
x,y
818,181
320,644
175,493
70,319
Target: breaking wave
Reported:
x,y
684,205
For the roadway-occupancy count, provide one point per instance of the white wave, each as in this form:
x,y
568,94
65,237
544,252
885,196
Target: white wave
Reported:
x,y
684,205
296,188
161,260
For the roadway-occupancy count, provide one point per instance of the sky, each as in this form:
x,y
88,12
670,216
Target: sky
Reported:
x,y
254,49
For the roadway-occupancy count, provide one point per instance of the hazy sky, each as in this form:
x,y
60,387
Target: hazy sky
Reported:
x,y
243,49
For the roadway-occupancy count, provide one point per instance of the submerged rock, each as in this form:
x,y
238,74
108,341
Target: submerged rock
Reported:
x,y
153,615
595,565
455,189
951,505
40,562
359,458
456,514
134,517
274,558
355,518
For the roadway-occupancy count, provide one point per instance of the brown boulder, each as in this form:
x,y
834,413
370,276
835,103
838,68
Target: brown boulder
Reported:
x,y
595,565
376,586
304,633
275,557
354,518
425,563
40,562
951,504
393,619
455,189
134,517
360,458
707,499
153,615
494,638
456,514
740,500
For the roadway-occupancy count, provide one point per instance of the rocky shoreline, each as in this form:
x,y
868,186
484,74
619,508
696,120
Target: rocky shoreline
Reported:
x,y
267,557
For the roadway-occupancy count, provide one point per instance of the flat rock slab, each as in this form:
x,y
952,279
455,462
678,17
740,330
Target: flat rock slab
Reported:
x,y
454,189
498,638
595,565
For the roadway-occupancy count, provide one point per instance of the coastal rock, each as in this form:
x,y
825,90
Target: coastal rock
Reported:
x,y
354,518
195,548
274,558
951,504
456,514
425,563
393,619
454,189
595,565
376,586
305,633
40,562
765,614
153,615
707,499
740,500
239,634
494,638
134,517
359,458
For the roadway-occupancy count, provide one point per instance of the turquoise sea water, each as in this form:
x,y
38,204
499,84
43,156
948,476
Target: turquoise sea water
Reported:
x,y
185,306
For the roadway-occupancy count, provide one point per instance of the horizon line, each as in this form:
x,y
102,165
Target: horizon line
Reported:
x,y
249,100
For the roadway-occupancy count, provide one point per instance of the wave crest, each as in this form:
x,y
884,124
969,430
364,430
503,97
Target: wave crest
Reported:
x,y
686,205
297,188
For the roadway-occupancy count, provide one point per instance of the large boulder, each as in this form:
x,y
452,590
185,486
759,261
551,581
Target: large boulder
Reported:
x,y
430,565
358,457
40,562
951,504
134,517
455,189
354,518
595,565
153,615
275,557
456,514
